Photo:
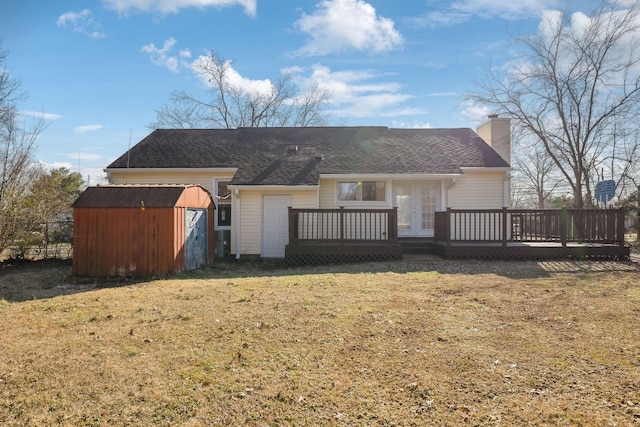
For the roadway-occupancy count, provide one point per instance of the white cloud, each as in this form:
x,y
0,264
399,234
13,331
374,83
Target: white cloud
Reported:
x,y
465,10
521,9
344,25
578,24
549,22
81,22
91,176
415,125
624,3
475,112
292,70
162,56
234,78
165,7
359,93
438,94
87,128
41,115
55,165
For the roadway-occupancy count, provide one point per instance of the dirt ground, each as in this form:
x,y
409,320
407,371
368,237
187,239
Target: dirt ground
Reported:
x,y
422,341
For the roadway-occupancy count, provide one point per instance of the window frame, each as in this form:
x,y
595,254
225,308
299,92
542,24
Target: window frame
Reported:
x,y
219,202
379,185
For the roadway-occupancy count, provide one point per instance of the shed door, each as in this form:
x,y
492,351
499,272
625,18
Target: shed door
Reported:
x,y
195,239
275,225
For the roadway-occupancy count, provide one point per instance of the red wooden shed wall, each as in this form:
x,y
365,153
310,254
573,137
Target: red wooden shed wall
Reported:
x,y
133,241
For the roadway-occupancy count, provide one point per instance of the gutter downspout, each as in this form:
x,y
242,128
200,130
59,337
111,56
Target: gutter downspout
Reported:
x,y
238,234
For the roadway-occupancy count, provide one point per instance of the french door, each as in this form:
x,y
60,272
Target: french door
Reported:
x,y
417,204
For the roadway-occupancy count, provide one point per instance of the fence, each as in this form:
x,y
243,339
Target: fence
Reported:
x,y
342,225
604,226
53,239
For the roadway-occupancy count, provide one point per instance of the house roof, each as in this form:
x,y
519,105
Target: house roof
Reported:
x,y
130,196
297,156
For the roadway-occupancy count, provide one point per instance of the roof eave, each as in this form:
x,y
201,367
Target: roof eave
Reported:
x,y
179,170
384,176
271,187
486,169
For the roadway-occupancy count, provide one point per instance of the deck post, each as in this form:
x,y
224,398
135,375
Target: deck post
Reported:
x,y
563,226
393,225
504,227
292,226
341,225
620,219
447,225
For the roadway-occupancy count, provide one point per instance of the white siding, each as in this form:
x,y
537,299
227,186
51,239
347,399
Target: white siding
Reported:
x,y
327,194
205,179
251,215
478,190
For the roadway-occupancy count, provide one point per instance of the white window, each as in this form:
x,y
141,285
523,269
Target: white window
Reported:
x,y
223,205
361,191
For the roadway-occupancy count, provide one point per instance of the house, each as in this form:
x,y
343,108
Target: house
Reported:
x,y
255,174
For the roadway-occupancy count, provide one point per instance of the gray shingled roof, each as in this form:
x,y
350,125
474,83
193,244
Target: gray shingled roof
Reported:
x,y
130,196
263,156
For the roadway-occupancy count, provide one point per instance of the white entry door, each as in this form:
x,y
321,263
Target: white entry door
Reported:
x,y
417,204
275,225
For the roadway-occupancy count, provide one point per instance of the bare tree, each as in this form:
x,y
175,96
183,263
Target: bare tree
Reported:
x,y
17,144
576,89
533,176
230,105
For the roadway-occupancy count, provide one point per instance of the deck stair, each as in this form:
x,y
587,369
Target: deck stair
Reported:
x,y
418,245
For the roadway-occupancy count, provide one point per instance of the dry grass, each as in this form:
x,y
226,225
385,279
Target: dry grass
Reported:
x,y
418,342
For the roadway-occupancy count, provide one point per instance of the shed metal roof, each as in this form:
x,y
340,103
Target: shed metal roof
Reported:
x,y
130,196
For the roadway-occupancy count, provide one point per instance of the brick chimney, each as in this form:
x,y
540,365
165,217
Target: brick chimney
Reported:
x,y
497,133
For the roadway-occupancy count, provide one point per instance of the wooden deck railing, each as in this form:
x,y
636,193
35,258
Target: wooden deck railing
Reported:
x,y
604,226
343,225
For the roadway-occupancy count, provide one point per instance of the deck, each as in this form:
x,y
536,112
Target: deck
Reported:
x,y
323,236
326,236
533,251
532,234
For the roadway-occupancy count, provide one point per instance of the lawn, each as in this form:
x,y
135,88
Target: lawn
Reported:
x,y
417,342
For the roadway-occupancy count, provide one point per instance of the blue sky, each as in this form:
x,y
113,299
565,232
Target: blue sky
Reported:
x,y
98,70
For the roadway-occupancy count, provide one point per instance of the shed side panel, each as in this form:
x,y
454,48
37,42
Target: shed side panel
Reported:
x,y
142,253
195,197
210,234
123,242
135,234
162,228
179,237
147,223
160,233
95,263
111,242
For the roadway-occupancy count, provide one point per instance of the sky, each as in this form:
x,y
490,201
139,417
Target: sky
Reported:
x,y
97,70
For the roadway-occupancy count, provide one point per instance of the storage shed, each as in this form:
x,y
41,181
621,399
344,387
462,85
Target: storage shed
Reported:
x,y
142,230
